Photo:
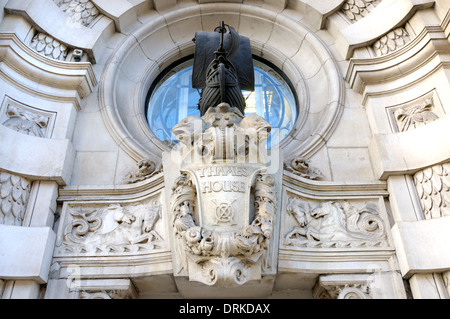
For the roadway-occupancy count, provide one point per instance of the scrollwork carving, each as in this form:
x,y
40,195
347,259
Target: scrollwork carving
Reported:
x,y
49,47
223,202
146,169
200,241
301,167
335,225
132,229
345,291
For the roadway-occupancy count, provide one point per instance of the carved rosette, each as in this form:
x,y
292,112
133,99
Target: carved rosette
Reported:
x,y
223,204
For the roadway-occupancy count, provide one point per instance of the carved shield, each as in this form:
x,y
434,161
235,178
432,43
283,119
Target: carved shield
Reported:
x,y
224,194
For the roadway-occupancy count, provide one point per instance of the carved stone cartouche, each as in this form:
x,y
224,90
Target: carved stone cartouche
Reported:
x,y
223,203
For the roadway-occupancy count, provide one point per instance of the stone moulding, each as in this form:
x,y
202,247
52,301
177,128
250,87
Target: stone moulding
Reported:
x,y
37,12
361,33
412,149
364,75
57,80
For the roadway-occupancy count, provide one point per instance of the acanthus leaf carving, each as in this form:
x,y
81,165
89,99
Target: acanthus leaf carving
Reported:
x,y
355,10
433,188
392,41
335,225
83,12
14,194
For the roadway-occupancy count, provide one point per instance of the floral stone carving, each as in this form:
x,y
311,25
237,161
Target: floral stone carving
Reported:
x,y
111,229
25,122
223,202
415,116
335,225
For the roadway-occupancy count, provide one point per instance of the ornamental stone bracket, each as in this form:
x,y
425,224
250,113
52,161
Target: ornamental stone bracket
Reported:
x,y
223,204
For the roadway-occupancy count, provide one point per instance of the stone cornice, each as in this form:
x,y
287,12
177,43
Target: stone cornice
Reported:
x,y
56,80
326,189
130,192
36,12
419,58
363,32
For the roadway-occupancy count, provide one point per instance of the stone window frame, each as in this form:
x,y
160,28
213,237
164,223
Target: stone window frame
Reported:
x,y
124,84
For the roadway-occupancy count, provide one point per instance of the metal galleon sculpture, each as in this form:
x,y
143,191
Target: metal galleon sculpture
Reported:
x,y
222,68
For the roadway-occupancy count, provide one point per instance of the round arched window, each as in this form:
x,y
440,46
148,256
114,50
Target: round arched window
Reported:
x,y
171,98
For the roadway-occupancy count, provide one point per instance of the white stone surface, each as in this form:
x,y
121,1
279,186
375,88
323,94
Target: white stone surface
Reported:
x,y
413,240
26,252
97,134
408,151
15,156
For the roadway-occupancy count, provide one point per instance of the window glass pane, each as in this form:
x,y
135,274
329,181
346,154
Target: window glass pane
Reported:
x,y
173,99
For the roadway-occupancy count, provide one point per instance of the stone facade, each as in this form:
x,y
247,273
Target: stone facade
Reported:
x,y
354,204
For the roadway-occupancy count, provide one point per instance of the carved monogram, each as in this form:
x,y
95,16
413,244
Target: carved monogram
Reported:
x,y
333,224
